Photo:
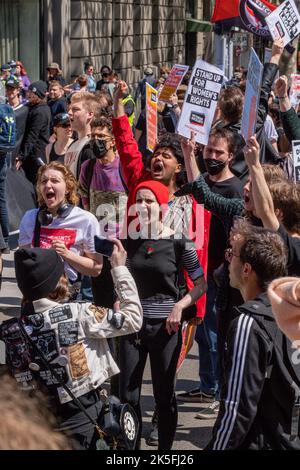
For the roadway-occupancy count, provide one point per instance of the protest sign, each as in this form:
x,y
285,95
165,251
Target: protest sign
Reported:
x,y
296,160
151,116
284,22
200,101
173,81
252,95
295,90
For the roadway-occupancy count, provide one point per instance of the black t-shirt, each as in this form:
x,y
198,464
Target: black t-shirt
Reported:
x,y
293,246
155,265
229,188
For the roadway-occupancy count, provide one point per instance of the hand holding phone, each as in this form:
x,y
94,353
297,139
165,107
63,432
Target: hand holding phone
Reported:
x,y
103,246
111,248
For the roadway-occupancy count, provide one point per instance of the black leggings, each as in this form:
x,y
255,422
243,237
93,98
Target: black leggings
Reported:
x,y
164,350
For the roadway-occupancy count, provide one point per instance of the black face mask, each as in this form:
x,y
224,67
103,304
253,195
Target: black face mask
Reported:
x,y
214,167
98,147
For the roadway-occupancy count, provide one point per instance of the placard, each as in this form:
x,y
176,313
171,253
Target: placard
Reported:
x,y
295,90
284,22
151,116
296,160
200,101
252,94
173,81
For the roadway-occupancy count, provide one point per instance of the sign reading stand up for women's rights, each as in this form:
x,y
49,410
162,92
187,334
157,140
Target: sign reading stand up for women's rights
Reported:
x,y
200,101
284,22
252,95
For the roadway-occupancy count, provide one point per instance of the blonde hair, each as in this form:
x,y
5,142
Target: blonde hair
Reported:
x,y
89,100
69,178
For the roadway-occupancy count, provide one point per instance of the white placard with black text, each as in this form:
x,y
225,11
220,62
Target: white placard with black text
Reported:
x,y
284,22
296,160
200,101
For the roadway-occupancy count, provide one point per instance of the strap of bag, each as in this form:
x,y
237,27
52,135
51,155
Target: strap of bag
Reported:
x,y
37,231
89,174
56,376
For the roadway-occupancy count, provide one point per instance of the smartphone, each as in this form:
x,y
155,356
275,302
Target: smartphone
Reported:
x,y
103,246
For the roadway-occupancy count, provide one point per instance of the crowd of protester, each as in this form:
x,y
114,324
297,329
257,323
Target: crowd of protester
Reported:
x,y
83,146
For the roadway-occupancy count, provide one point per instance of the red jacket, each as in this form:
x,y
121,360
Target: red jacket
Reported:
x,y
134,172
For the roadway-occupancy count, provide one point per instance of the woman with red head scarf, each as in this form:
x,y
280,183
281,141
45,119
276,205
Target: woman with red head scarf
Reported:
x,y
156,258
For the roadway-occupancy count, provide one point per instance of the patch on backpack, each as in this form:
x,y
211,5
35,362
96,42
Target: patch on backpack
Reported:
x,y
98,312
78,362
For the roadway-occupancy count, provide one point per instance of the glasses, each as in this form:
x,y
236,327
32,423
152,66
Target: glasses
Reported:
x,y
229,254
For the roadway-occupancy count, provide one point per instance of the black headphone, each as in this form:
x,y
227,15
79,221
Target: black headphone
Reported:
x,y
46,218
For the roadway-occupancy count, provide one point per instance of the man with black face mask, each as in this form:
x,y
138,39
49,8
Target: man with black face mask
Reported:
x,y
217,157
103,194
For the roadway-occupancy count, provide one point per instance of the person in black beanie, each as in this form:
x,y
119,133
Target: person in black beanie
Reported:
x,y
71,336
37,133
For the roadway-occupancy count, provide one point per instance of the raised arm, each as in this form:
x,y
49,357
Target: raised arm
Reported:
x,y
188,149
289,117
213,202
263,202
130,156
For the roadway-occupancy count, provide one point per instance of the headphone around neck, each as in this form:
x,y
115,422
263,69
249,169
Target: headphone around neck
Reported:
x,y
46,218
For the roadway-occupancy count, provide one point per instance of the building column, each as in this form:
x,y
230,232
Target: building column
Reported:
x,y
56,37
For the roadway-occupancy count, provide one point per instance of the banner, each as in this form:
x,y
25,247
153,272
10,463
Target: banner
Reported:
x,y
246,14
200,101
295,90
284,22
251,101
151,116
296,160
173,81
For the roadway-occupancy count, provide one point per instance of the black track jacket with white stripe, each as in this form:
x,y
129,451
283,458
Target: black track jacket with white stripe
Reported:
x,y
260,401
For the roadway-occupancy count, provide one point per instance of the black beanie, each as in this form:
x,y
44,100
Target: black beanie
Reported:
x,y
37,271
39,88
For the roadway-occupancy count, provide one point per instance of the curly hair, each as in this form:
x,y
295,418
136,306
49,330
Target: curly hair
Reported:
x,y
172,141
69,178
102,121
263,249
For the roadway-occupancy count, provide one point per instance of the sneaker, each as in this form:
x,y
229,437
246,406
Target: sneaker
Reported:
x,y
196,395
152,439
209,413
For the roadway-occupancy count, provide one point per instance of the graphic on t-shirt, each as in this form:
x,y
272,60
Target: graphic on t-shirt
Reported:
x,y
48,235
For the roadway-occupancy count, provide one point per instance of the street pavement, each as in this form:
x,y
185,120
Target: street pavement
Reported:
x,y
192,434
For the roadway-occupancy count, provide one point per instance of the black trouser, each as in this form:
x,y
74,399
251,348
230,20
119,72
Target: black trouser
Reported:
x,y
76,425
164,350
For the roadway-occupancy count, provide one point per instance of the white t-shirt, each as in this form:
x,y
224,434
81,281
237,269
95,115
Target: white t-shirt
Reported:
x,y
77,231
270,129
72,154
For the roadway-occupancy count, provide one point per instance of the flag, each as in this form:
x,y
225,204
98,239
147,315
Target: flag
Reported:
x,y
246,14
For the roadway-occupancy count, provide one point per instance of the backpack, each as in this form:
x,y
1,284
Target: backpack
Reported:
x,y
282,370
7,128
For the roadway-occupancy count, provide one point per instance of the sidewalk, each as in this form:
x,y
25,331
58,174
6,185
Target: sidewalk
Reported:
x,y
192,434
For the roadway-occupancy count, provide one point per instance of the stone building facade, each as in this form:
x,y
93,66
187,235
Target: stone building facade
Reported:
x,y
127,35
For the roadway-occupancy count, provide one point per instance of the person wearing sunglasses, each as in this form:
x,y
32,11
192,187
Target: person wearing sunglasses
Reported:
x,y
55,152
